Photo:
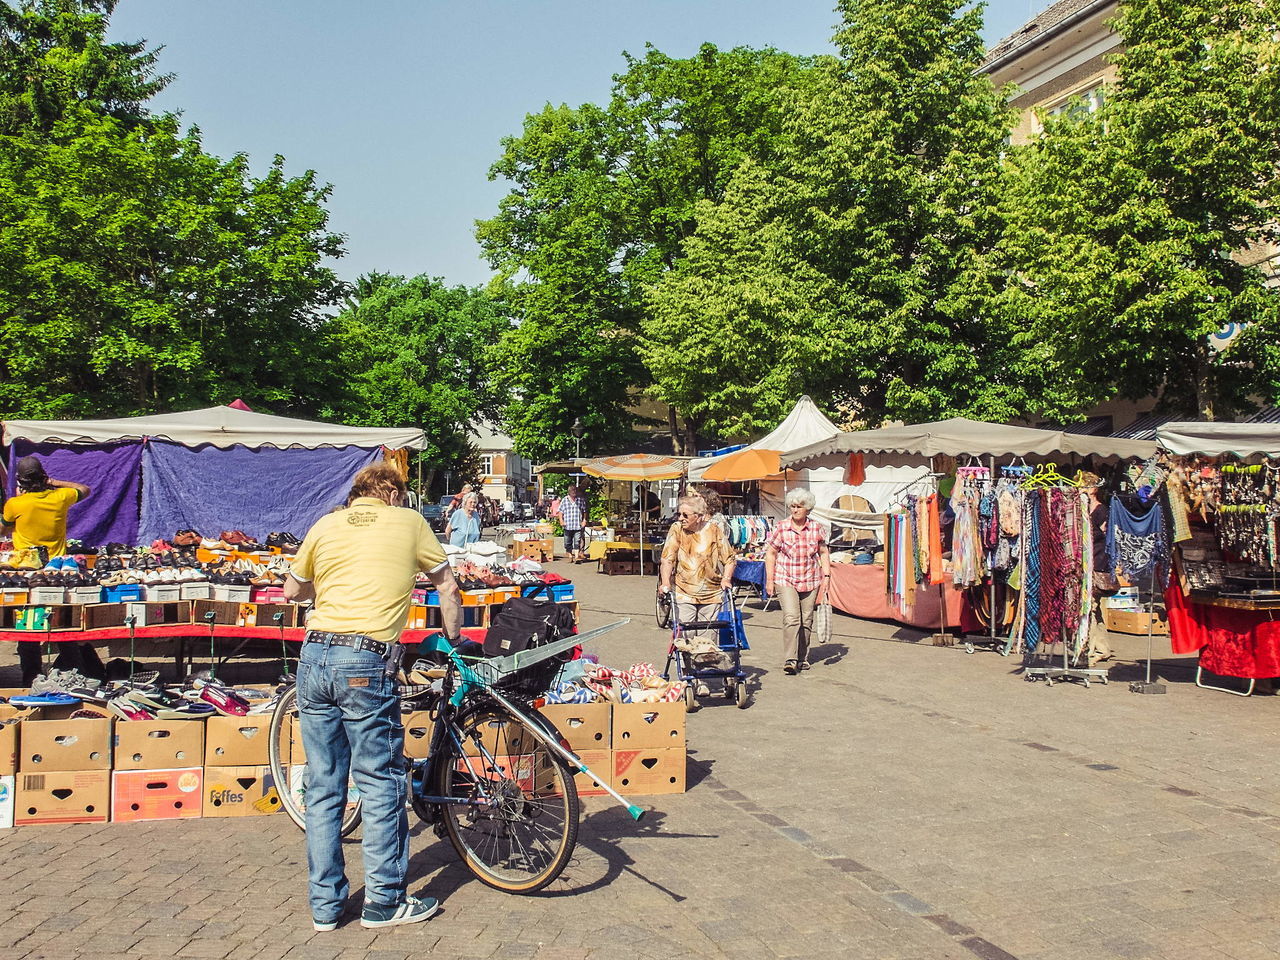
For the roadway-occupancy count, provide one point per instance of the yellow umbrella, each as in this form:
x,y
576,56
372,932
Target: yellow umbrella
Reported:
x,y
744,465
637,467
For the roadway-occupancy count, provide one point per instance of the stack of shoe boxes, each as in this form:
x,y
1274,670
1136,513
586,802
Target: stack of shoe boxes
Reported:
x,y
159,773
64,772
237,772
638,747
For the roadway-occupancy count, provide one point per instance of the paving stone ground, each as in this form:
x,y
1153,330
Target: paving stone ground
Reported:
x,y
899,800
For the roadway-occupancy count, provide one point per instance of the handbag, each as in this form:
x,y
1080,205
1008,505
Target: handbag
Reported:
x,y
525,622
821,632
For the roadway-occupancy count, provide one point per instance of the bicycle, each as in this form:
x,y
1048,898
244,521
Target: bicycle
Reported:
x,y
497,780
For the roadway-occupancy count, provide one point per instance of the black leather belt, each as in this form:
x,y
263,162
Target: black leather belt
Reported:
x,y
357,641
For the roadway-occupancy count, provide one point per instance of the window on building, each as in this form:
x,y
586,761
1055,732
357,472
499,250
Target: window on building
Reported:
x,y
486,464
1080,104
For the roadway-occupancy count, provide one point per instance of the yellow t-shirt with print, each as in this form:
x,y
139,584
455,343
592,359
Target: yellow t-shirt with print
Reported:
x,y
40,519
362,562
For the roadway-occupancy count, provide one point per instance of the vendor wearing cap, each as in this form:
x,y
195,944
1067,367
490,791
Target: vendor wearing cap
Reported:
x,y
36,518
37,515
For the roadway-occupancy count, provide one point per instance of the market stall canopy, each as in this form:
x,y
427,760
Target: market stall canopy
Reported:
x,y
752,464
803,426
638,467
959,437
562,466
1220,439
224,426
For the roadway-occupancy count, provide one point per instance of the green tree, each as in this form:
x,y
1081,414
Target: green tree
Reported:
x,y
137,272
1132,231
417,352
855,268
602,199
54,58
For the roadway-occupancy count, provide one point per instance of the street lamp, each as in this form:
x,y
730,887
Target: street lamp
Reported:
x,y
577,432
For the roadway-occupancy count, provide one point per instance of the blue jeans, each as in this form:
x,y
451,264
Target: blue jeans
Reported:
x,y
350,718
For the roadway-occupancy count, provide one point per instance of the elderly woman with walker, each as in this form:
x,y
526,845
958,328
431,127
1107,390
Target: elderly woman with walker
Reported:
x,y
797,569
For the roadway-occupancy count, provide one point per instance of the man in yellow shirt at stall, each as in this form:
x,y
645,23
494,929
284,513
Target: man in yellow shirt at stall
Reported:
x,y
36,518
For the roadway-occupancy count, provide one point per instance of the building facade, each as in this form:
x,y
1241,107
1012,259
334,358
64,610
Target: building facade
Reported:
x,y
504,474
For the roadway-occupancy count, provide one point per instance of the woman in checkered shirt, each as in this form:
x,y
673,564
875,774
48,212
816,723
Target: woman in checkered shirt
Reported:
x,y
797,570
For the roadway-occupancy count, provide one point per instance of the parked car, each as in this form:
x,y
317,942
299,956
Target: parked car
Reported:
x,y
436,514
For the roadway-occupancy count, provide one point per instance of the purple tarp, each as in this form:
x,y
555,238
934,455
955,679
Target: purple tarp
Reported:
x,y
238,488
112,471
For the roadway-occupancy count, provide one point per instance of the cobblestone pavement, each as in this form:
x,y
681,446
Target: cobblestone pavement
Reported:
x,y
897,800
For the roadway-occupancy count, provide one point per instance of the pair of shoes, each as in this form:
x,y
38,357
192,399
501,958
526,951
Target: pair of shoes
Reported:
x,y
412,910
790,668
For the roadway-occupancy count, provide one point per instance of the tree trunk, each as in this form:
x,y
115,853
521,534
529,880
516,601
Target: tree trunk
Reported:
x,y
1205,393
674,428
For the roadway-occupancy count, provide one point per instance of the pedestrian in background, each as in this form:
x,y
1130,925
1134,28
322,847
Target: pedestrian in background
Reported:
x,y
463,527
797,570
573,516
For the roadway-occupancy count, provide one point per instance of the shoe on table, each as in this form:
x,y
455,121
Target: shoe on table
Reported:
x,y
790,668
412,910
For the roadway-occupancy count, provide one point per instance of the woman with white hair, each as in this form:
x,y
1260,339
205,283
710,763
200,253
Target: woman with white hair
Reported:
x,y
698,561
797,570
464,523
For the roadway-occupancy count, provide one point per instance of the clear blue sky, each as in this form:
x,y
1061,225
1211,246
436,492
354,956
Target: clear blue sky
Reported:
x,y
400,104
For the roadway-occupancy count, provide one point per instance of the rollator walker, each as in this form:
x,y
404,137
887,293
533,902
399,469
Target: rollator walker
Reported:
x,y
732,640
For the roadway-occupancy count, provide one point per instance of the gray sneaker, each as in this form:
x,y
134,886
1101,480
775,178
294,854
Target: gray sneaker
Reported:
x,y
412,910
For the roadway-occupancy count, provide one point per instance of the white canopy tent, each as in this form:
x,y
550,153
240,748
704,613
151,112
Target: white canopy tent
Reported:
x,y
218,426
804,427
1220,439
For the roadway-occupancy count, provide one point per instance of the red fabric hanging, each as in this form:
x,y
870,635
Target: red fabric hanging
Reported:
x,y
855,471
1232,643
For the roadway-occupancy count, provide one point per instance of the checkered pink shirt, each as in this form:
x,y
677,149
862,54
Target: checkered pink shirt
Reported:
x,y
797,554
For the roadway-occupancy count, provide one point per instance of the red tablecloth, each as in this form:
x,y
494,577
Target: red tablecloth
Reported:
x,y
200,632
858,590
1232,643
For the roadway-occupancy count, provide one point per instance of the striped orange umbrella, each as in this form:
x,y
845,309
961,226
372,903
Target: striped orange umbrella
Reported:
x,y
637,467
745,465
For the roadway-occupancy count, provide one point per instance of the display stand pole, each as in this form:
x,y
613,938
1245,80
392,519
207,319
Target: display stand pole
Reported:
x,y
131,621
1148,685
213,662
284,649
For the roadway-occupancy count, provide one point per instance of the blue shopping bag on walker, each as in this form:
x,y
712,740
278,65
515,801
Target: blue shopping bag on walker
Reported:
x,y
733,635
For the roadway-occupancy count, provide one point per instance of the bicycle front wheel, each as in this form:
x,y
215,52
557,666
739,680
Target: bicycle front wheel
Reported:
x,y
289,765
511,807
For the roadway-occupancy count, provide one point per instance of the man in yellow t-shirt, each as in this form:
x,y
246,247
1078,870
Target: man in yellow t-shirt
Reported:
x,y
37,515
36,518
359,564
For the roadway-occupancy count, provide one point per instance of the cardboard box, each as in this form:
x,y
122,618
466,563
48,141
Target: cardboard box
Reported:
x,y
648,726
600,762
47,595
162,592
418,727
539,550
612,568
641,772
267,595
231,593
12,595
237,741
83,595
584,726
204,612
98,616
55,618
156,794
476,598
9,746
500,738
535,773
159,744
418,617
150,614
6,801
64,745
1135,622
196,590
242,791
264,615
62,796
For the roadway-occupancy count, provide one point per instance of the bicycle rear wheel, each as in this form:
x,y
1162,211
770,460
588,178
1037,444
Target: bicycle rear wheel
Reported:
x,y
519,824
289,765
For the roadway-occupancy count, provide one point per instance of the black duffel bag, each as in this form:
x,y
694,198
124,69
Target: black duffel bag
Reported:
x,y
525,623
